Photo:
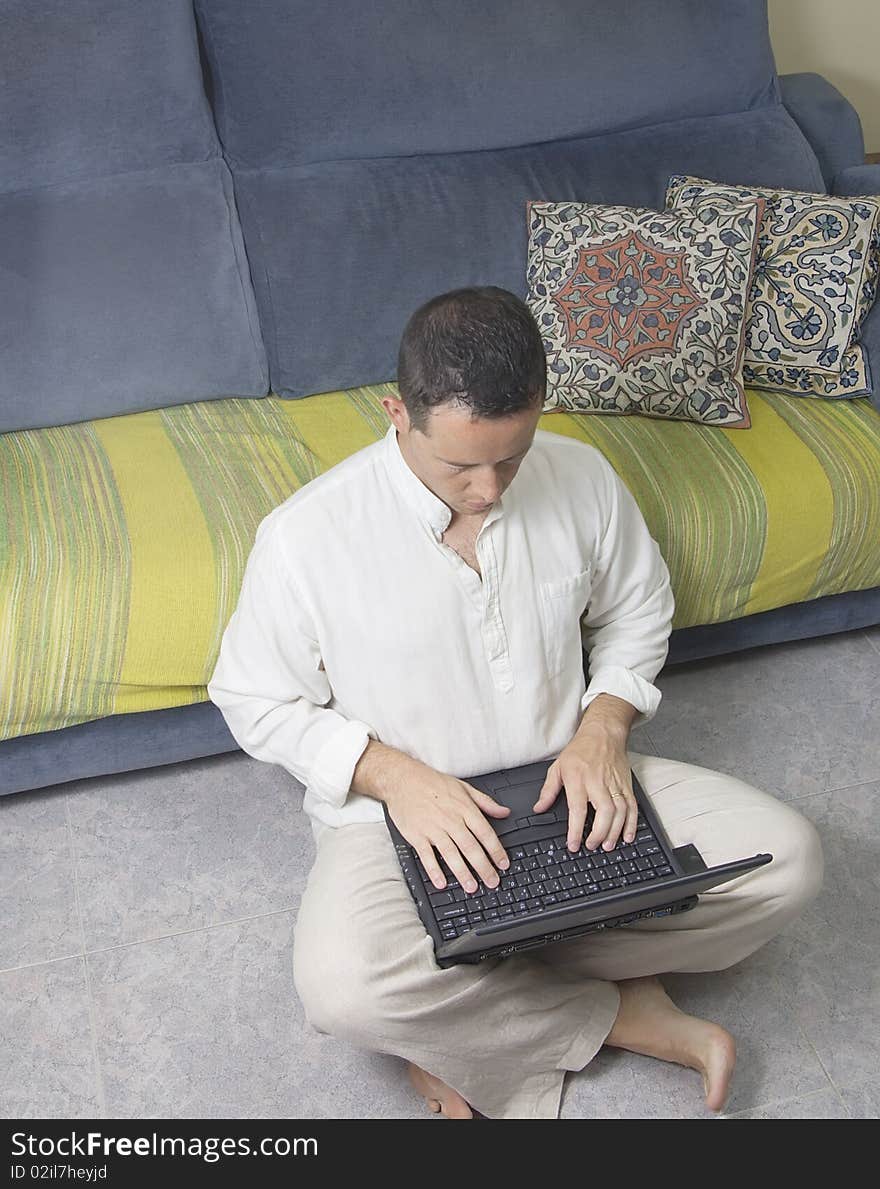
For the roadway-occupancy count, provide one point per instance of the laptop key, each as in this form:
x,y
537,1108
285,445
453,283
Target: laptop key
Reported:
x,y
440,898
452,910
664,870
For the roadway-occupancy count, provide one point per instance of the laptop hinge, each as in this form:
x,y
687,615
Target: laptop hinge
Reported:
x,y
690,859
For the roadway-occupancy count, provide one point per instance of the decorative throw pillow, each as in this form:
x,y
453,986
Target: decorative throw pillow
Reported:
x,y
815,280
642,311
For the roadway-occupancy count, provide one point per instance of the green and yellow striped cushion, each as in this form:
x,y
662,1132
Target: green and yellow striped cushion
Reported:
x,y
123,541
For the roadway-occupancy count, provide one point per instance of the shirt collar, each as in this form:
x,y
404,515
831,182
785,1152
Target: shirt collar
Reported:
x,y
427,506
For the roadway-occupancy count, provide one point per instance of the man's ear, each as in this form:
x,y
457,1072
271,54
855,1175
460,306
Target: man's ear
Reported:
x,y
396,410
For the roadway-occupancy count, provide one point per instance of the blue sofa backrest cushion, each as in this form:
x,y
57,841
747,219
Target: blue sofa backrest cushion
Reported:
x,y
299,82
385,152
124,282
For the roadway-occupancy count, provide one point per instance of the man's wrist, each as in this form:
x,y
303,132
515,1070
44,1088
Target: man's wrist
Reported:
x,y
614,715
380,770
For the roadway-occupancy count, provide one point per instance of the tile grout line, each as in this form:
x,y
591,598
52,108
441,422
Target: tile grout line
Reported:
x,y
781,1102
93,1025
870,640
106,949
784,998
840,788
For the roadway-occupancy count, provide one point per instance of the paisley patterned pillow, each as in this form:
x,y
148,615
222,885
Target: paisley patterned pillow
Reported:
x,y
815,280
642,311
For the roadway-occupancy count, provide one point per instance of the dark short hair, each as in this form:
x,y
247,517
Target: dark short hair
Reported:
x,y
480,347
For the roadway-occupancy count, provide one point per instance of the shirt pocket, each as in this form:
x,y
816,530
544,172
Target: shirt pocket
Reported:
x,y
562,603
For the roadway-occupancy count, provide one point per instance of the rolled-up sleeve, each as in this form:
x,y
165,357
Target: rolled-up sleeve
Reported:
x,y
625,629
269,682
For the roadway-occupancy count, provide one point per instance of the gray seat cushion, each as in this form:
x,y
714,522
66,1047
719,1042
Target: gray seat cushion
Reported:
x,y
124,284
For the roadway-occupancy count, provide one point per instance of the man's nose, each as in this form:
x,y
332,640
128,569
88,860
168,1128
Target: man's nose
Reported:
x,y
489,489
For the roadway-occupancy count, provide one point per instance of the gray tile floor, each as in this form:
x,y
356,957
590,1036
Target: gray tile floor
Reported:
x,y
145,962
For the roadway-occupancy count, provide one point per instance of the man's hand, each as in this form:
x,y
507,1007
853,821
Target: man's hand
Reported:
x,y
432,810
594,769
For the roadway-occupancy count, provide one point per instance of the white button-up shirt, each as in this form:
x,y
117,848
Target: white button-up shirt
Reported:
x,y
356,621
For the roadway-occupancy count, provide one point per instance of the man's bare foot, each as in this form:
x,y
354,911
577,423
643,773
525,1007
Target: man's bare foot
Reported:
x,y
649,1022
440,1097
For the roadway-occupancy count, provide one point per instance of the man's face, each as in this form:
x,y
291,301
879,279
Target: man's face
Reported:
x,y
468,462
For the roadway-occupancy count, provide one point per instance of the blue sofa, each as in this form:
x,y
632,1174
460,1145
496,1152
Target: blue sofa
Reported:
x,y
214,199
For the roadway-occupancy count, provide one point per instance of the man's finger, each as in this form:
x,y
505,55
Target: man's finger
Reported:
x,y
549,790
619,804
601,822
486,803
476,857
632,820
429,861
577,816
490,841
456,864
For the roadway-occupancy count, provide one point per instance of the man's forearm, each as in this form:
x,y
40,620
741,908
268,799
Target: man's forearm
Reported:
x,y
380,769
613,713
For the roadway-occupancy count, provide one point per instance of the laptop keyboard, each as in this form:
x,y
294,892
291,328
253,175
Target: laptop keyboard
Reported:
x,y
545,874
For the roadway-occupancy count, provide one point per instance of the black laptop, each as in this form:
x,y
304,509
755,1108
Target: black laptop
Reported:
x,y
549,894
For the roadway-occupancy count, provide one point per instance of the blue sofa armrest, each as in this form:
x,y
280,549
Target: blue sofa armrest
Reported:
x,y
869,337
865,179
857,179
827,119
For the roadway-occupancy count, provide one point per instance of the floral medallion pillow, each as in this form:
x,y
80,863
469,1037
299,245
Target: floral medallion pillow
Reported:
x,y
643,311
815,280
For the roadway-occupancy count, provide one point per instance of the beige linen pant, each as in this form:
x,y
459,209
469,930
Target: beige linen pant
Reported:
x,y
503,1032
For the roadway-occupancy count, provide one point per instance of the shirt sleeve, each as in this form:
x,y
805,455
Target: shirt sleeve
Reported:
x,y
625,629
270,685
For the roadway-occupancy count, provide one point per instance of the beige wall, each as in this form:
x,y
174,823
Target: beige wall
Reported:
x,y
837,38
